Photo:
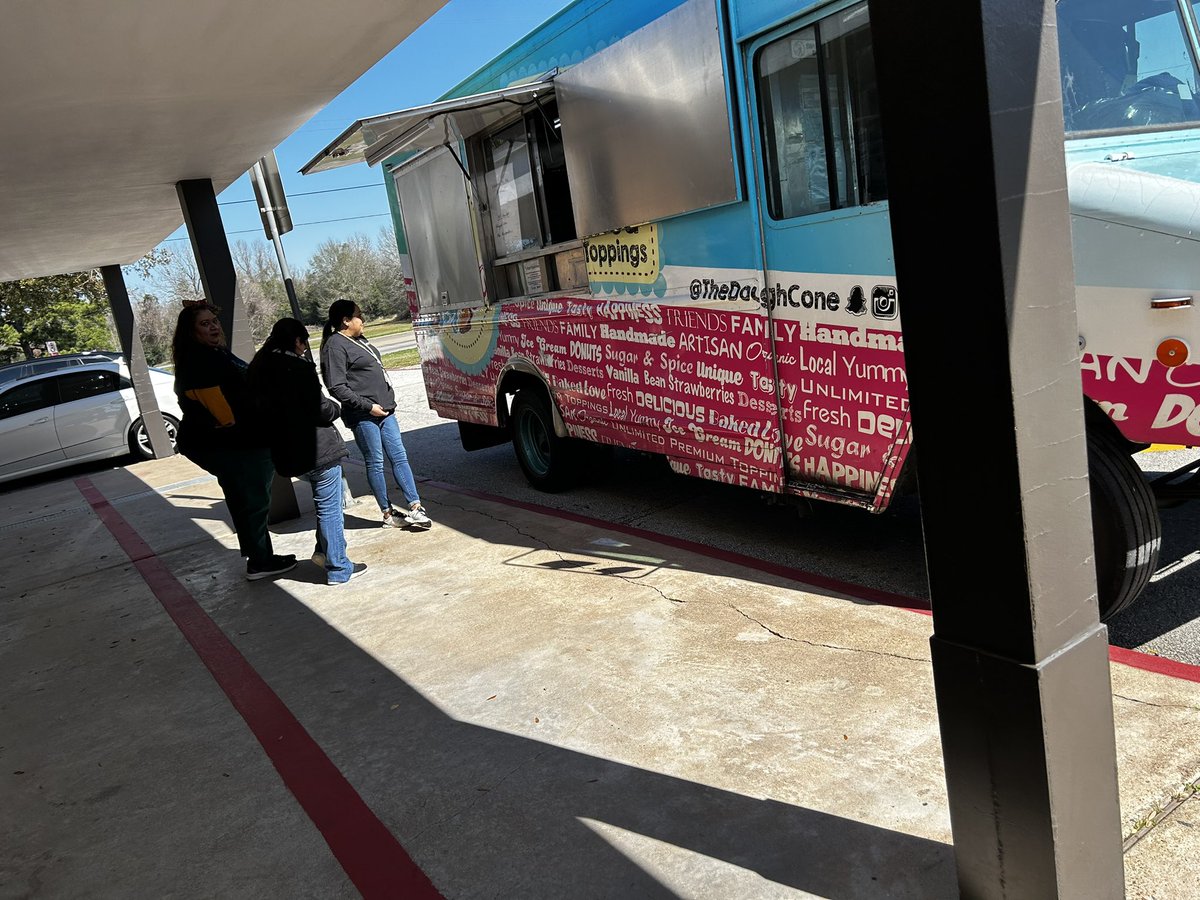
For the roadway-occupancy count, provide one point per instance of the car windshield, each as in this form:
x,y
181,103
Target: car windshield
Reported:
x,y
1125,65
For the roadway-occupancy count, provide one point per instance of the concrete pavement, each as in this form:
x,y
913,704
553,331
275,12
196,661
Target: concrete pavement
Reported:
x,y
513,704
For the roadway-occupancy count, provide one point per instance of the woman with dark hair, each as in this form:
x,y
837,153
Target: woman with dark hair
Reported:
x,y
354,374
304,441
219,433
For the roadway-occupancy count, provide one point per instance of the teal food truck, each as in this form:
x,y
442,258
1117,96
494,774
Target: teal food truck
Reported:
x,y
664,226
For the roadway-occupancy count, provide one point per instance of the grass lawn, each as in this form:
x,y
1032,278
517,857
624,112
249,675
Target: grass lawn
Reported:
x,y
370,329
402,359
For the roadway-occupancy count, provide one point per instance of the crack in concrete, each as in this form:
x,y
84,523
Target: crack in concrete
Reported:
x,y
651,587
1157,815
1157,705
63,513
525,534
823,646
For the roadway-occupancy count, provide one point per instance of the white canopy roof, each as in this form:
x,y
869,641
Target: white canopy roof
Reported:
x,y
105,106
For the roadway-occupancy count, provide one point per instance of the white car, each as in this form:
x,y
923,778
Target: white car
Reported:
x,y
77,415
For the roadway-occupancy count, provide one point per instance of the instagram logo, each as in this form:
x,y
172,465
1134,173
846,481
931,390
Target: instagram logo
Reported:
x,y
883,302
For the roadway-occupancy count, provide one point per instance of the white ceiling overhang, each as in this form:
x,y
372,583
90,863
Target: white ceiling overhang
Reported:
x,y
106,106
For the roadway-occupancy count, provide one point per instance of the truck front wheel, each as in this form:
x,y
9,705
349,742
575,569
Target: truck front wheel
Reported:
x,y
550,463
1125,525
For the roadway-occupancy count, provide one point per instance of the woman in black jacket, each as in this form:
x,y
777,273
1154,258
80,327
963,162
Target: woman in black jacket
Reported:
x,y
219,432
353,372
303,439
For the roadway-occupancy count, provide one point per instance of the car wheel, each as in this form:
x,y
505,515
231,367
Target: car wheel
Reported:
x,y
139,438
550,463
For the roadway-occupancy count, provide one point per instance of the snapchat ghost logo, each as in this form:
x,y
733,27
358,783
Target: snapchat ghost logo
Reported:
x,y
856,303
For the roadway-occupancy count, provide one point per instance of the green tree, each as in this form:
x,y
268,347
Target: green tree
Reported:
x,y
156,327
365,271
173,276
261,287
390,277
71,310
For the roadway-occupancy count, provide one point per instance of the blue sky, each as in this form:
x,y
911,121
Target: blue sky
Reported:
x,y
460,38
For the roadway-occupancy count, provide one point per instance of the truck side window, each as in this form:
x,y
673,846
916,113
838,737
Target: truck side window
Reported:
x,y
823,147
509,179
529,203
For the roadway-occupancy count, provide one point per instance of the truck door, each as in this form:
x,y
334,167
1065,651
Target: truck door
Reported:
x,y
829,272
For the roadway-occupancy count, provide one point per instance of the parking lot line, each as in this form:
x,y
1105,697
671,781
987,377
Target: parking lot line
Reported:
x,y
370,854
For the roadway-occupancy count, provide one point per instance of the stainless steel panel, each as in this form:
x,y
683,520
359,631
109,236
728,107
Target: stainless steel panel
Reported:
x,y
436,211
646,124
447,121
423,127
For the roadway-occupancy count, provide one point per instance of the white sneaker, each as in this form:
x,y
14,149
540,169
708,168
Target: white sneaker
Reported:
x,y
394,518
416,517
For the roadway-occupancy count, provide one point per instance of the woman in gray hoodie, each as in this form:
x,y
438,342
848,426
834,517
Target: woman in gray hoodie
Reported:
x,y
353,372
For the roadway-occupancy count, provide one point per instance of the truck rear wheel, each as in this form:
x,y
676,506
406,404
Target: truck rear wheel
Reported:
x,y
1125,525
550,463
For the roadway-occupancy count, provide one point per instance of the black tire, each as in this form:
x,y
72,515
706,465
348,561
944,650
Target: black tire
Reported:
x,y
1125,525
139,440
550,463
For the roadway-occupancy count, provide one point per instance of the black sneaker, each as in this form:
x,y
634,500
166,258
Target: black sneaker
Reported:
x,y
358,569
275,565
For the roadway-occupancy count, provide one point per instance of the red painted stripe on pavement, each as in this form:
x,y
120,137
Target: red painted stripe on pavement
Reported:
x,y
1132,658
1151,663
370,854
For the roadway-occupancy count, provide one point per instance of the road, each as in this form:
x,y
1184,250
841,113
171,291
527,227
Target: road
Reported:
x,y
390,343
882,552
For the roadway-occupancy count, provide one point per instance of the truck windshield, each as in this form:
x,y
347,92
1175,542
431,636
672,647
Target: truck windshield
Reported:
x,y
1126,64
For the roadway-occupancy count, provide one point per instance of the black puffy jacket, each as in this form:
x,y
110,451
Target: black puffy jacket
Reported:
x,y
218,409
298,416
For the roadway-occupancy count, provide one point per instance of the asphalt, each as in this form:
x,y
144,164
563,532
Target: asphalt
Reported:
x,y
516,703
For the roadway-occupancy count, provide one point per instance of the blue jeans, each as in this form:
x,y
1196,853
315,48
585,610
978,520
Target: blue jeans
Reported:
x,y
331,535
376,437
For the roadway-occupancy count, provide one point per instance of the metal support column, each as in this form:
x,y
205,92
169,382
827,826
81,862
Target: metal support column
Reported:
x,y
259,180
135,359
972,116
215,264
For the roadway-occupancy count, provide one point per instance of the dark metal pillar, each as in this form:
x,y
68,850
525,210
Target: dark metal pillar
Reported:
x,y
135,359
971,108
215,264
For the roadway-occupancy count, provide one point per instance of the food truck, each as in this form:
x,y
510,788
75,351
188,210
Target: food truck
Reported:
x,y
664,226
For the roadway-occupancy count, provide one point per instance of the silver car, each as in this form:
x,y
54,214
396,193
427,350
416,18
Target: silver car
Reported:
x,y
43,364
76,415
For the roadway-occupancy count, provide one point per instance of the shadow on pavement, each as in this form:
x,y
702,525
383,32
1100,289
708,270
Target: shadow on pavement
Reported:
x,y
487,812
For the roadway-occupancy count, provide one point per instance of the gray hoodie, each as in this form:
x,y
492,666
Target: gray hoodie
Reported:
x,y
353,373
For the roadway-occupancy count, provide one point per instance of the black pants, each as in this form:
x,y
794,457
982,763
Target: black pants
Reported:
x,y
245,478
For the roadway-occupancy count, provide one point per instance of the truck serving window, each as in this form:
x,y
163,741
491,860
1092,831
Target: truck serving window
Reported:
x,y
1125,64
823,148
529,204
